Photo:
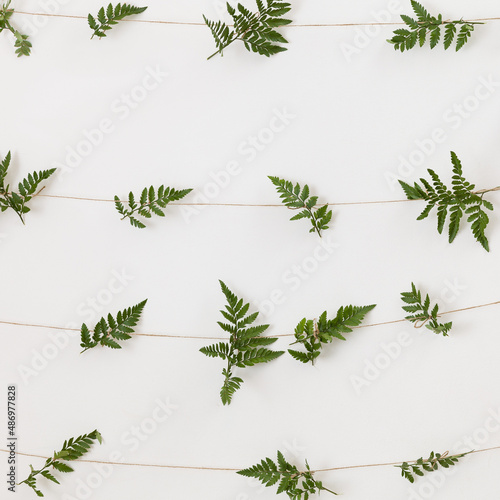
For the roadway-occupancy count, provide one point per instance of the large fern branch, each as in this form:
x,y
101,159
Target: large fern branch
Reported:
x,y
255,30
459,201
72,449
246,346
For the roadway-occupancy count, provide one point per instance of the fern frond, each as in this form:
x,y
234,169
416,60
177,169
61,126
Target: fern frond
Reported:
x,y
313,334
421,466
255,30
107,18
245,347
425,24
109,330
297,198
27,189
21,43
298,485
151,202
422,313
460,200
72,449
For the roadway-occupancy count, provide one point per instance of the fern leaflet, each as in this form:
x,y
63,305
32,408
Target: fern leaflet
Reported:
x,y
421,466
151,202
298,485
255,30
461,200
110,330
245,348
421,313
107,18
425,24
27,189
297,198
21,44
313,334
72,449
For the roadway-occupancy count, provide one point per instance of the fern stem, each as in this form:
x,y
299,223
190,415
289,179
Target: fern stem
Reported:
x,y
220,51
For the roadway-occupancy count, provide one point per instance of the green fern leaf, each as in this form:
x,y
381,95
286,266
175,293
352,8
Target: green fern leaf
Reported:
x,y
107,332
245,346
296,484
106,18
406,39
296,197
421,312
28,188
255,30
72,449
151,201
312,334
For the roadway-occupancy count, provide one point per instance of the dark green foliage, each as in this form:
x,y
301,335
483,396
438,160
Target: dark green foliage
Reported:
x,y
245,346
425,24
72,449
22,44
296,484
109,330
255,30
150,203
295,198
27,189
313,334
460,200
107,18
420,466
421,312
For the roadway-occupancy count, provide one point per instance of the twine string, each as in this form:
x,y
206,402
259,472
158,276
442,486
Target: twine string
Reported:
x,y
181,203
292,25
233,469
196,337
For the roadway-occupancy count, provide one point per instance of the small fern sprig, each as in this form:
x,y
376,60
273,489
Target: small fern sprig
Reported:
x,y
107,18
296,198
245,347
72,449
421,466
313,334
461,200
298,485
255,30
22,44
27,189
109,330
422,314
151,202
425,24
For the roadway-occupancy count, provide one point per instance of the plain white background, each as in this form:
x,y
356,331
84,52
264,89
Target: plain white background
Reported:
x,y
355,120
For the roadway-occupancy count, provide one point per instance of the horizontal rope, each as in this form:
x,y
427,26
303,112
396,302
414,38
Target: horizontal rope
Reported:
x,y
202,204
50,327
292,25
180,203
232,469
